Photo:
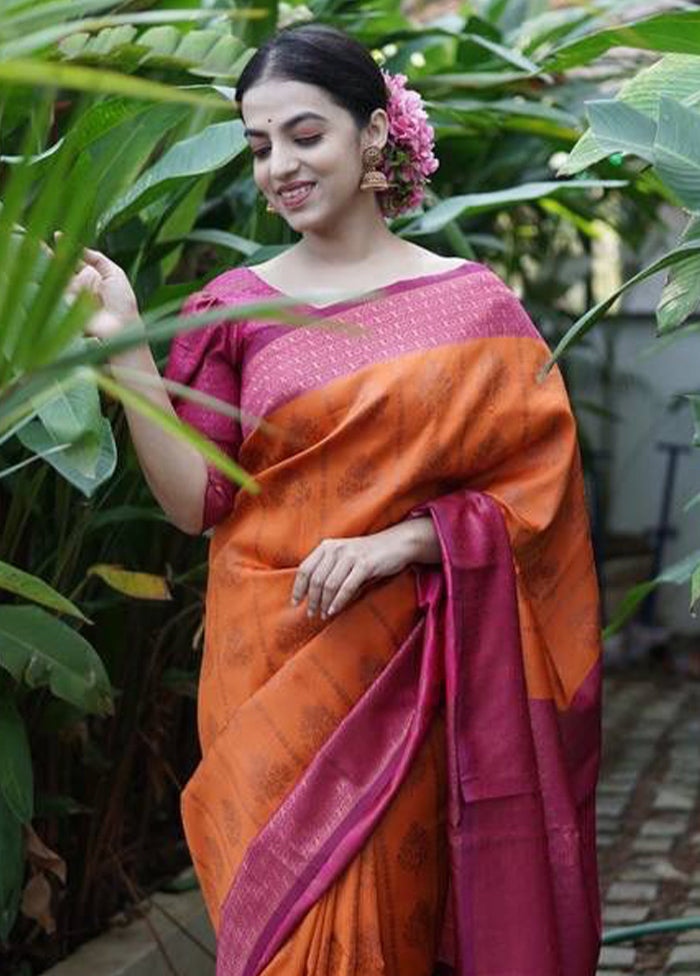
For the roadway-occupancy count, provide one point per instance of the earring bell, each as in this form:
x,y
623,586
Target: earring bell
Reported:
x,y
372,176
269,208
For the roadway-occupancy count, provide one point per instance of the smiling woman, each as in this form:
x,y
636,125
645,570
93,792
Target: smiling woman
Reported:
x,y
399,711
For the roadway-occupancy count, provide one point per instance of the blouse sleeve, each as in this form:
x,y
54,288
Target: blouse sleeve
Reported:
x,y
205,359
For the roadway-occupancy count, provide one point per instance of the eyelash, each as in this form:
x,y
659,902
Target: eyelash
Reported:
x,y
303,141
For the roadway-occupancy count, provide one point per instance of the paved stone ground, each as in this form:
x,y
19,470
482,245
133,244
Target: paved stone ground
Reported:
x,y
649,819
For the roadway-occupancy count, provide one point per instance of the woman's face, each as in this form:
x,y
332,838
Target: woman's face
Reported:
x,y
307,151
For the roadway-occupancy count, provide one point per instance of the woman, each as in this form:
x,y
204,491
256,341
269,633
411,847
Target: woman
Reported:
x,y
399,697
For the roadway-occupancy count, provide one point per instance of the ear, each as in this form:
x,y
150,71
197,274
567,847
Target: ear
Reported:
x,y
376,132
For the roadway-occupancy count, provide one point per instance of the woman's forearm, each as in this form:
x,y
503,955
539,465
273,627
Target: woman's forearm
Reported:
x,y
175,471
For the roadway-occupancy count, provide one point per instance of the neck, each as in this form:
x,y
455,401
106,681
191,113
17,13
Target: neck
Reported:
x,y
355,237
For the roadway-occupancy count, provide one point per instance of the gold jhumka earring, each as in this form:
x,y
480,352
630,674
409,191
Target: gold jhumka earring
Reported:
x,y
372,177
269,208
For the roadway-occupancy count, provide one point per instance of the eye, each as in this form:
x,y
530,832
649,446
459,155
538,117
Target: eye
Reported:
x,y
264,151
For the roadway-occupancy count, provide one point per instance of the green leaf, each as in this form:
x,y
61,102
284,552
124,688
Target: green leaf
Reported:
x,y
202,153
670,31
12,873
548,27
118,156
469,80
28,42
506,54
677,574
676,75
16,400
16,778
520,115
595,314
222,238
618,127
30,587
53,12
72,416
677,151
37,439
39,650
475,203
694,590
681,294
77,78
211,452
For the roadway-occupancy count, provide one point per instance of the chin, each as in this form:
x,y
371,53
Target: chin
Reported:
x,y
302,222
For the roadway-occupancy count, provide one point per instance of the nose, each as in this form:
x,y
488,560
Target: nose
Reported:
x,y
283,161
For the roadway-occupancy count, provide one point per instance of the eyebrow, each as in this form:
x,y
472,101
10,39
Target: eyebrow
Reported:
x,y
289,124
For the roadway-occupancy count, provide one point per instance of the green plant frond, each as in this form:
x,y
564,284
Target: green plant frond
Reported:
x,y
675,75
31,587
52,75
208,150
178,428
40,650
40,40
16,775
476,203
678,574
681,294
595,314
676,31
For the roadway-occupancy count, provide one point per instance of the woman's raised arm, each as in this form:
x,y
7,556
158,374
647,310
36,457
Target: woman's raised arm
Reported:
x,y
175,471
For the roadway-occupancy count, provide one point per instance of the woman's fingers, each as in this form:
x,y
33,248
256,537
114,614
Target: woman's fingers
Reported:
x,y
348,591
318,578
87,279
95,259
334,580
99,261
303,574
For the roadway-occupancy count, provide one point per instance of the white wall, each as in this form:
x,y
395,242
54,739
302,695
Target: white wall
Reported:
x,y
658,371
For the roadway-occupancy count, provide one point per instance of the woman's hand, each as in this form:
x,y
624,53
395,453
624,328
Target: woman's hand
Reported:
x,y
334,572
105,279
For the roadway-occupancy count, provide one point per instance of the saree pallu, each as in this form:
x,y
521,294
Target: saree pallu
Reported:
x,y
413,780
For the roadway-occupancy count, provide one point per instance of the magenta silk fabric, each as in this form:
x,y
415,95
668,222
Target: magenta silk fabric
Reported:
x,y
521,821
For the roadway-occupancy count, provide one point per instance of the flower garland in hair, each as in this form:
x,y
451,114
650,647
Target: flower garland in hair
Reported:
x,y
408,155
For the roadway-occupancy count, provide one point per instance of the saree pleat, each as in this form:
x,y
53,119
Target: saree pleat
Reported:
x,y
413,780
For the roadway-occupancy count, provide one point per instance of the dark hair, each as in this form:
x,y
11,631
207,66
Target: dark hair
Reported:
x,y
323,56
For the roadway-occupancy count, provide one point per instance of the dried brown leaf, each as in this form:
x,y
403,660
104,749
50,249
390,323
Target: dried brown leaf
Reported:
x,y
42,857
36,902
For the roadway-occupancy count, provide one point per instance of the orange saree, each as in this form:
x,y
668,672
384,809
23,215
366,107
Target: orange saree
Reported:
x,y
412,781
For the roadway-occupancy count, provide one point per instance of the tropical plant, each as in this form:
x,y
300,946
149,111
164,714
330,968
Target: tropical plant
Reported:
x,y
655,119
112,131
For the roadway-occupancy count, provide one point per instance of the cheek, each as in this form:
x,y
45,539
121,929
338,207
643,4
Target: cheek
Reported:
x,y
337,159
260,174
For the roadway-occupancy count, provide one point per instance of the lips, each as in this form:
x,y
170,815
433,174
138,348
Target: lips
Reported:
x,y
296,194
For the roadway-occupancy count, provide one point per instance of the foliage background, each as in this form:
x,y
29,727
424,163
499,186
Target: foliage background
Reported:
x,y
117,126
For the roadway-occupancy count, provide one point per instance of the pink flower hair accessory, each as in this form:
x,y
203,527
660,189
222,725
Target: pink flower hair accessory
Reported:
x,y
408,157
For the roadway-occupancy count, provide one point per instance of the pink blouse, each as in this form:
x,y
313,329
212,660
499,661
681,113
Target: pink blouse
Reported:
x,y
206,359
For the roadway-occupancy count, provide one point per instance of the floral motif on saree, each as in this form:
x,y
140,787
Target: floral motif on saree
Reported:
x,y
413,780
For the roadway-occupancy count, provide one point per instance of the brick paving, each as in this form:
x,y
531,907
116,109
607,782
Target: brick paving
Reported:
x,y
649,820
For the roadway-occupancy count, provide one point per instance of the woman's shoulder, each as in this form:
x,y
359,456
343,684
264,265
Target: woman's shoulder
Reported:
x,y
235,286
